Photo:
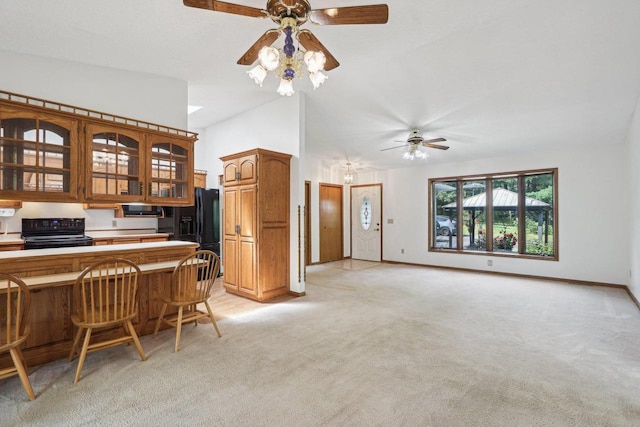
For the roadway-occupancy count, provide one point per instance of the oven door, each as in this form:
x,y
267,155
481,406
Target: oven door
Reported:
x,y
56,243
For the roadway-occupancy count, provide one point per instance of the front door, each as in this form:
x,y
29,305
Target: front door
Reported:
x,y
366,222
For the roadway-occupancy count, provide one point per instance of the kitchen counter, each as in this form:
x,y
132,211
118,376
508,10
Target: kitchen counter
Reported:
x,y
123,233
50,274
93,249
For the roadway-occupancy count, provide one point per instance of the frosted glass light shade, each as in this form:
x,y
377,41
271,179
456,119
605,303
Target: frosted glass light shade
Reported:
x,y
286,88
315,61
258,74
317,79
269,58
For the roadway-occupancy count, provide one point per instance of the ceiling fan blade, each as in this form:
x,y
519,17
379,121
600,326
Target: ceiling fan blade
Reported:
x,y
429,141
266,39
393,148
220,6
439,147
310,42
373,14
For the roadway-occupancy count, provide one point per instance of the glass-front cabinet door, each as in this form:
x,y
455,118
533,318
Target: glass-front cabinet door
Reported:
x,y
169,170
115,164
38,156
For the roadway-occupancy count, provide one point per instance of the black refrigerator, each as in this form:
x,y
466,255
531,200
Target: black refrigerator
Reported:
x,y
198,223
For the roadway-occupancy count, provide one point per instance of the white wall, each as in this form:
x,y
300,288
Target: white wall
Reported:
x,y
634,230
276,126
141,96
146,97
593,189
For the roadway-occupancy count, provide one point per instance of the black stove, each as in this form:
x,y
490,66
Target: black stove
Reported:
x,y
44,233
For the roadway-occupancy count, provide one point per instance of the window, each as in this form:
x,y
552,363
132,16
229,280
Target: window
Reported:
x,y
512,214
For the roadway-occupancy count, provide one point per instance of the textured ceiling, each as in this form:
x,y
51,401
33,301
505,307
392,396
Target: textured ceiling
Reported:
x,y
493,77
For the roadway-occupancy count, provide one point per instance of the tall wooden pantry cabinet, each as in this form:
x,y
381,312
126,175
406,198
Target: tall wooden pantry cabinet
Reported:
x,y
256,223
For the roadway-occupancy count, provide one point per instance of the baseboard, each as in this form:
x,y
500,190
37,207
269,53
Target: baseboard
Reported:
x,y
633,297
297,294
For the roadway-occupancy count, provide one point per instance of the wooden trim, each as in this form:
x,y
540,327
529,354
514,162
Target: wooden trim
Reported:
x,y
255,151
15,204
297,294
10,98
633,297
523,276
488,178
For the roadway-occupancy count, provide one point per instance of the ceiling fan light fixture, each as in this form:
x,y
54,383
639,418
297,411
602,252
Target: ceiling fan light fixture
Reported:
x,y
269,58
317,79
286,87
315,61
258,74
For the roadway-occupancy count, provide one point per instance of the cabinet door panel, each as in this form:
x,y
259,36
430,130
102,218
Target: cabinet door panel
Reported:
x,y
248,168
229,173
247,211
38,156
169,173
247,267
113,158
230,213
230,261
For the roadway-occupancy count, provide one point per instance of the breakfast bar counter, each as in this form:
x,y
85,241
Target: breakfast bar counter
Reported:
x,y
50,274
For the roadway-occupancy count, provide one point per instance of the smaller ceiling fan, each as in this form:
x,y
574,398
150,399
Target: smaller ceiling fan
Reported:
x,y
414,141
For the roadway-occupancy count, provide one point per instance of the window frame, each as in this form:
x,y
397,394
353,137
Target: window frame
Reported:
x,y
521,210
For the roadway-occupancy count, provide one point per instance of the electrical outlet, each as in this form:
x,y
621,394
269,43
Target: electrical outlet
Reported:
x,y
490,262
401,251
114,223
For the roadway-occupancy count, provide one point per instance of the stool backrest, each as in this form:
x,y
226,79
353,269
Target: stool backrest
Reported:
x,y
15,301
106,291
193,277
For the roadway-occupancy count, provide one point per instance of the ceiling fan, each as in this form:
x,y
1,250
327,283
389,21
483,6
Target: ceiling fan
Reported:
x,y
414,141
291,14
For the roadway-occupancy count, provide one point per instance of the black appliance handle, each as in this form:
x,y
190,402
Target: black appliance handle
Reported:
x,y
198,218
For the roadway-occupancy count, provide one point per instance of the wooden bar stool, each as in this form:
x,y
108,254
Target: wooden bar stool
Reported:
x,y
105,295
191,284
15,301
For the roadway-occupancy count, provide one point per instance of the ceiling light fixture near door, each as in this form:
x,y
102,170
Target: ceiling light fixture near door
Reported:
x,y
348,176
288,62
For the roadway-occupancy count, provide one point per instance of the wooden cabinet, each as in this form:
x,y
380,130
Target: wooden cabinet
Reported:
x,y
38,155
59,153
119,240
129,166
256,224
200,178
242,170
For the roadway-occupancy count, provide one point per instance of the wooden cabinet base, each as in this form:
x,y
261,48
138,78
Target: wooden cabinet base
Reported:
x,y
52,331
265,296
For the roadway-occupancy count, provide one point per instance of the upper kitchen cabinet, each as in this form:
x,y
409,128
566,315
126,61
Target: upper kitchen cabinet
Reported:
x,y
170,170
115,160
38,155
241,170
57,152
130,166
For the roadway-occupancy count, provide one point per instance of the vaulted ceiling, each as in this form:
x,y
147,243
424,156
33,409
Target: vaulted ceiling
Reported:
x,y
493,77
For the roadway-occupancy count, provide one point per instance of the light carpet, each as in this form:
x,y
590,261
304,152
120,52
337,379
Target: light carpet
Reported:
x,y
370,344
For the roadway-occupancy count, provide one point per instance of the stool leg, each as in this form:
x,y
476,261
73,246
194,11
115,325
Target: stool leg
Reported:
x,y
18,359
83,354
155,331
178,327
76,340
213,319
136,341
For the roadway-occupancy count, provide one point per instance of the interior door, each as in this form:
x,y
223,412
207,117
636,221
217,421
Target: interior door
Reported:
x,y
366,222
331,214
307,223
